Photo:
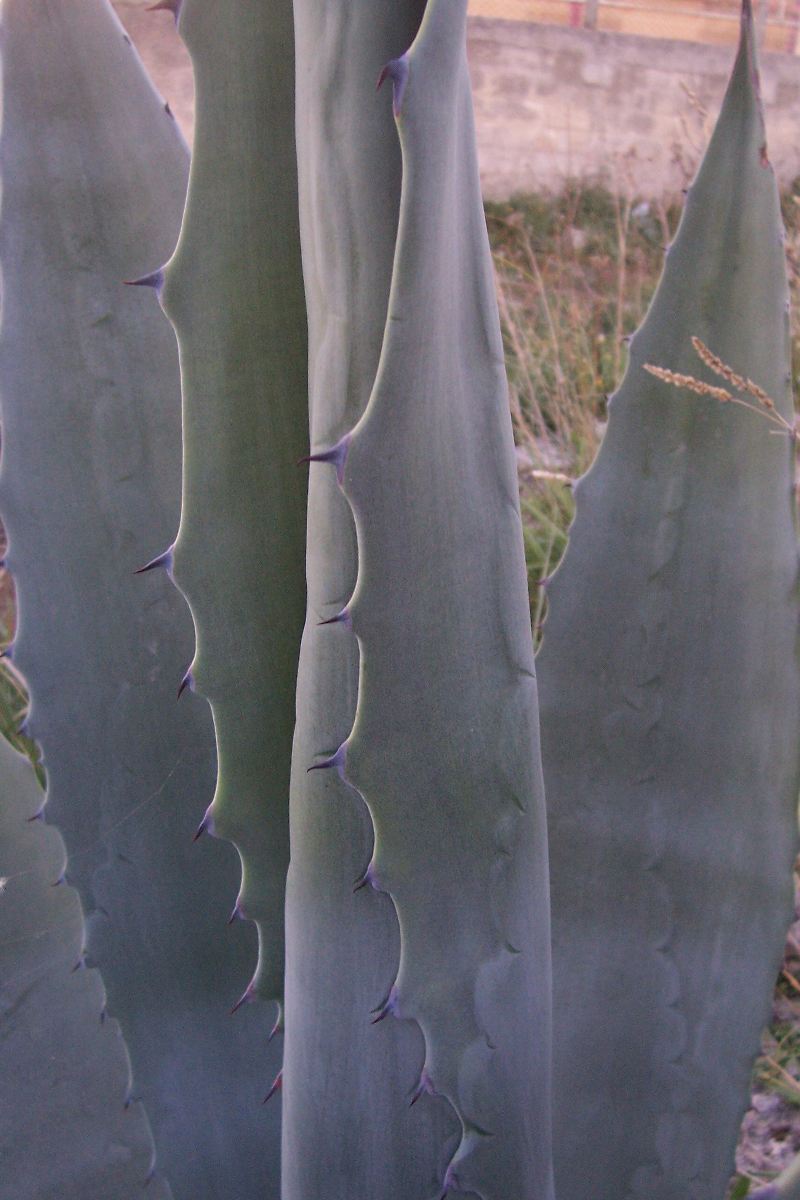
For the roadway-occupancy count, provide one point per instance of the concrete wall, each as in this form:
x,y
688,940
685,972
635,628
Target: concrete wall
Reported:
x,y
554,103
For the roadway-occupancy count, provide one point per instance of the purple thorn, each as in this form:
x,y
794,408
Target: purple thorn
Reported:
x,y
161,560
205,826
397,71
450,1181
186,682
336,760
367,878
173,6
81,963
150,1176
341,618
388,1006
336,455
276,1028
154,280
276,1087
8,652
103,1015
61,879
235,914
245,998
425,1086
38,815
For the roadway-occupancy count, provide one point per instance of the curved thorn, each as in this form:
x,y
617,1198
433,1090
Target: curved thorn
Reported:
x,y
38,815
367,878
340,618
336,455
161,560
389,1006
277,1027
236,914
396,70
154,280
277,1084
450,1181
8,652
186,682
336,760
205,826
245,998
425,1086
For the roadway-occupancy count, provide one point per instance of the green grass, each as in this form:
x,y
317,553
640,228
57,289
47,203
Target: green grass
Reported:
x,y
13,696
575,275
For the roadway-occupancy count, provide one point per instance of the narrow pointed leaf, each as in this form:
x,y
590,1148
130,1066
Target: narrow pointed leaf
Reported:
x,y
234,293
348,1129
94,179
444,749
670,711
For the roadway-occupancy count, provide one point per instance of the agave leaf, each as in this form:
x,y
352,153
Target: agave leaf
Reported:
x,y
234,293
67,1128
356,1136
444,749
670,710
94,178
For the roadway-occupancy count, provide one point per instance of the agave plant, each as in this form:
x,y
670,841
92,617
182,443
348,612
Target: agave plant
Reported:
x,y
378,771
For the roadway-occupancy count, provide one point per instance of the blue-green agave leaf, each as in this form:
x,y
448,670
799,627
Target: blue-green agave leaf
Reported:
x,y
68,1127
444,749
349,1128
671,708
94,176
234,292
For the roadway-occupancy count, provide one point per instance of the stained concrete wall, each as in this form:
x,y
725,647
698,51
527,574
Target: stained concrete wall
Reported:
x,y
554,103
